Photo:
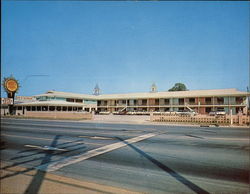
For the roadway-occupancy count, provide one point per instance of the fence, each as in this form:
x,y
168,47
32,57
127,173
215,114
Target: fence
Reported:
x,y
202,119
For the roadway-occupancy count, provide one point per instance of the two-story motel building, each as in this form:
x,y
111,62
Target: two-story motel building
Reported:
x,y
201,101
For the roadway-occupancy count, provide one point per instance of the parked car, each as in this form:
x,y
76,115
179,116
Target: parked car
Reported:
x,y
191,113
215,113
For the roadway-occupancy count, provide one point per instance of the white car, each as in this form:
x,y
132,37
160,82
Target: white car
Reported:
x,y
214,113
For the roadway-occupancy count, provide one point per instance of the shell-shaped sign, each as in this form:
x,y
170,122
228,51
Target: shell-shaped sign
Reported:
x,y
11,84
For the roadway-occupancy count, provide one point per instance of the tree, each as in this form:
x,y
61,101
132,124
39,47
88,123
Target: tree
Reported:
x,y
178,87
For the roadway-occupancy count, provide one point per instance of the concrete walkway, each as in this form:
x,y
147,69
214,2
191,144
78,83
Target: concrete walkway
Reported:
x,y
122,118
17,180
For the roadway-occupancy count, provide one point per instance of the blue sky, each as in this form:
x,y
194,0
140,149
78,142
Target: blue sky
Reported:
x,y
125,46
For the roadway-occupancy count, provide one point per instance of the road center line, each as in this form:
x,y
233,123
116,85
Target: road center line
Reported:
x,y
92,153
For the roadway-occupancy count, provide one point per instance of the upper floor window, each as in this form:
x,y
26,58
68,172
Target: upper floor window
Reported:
x,y
69,99
79,100
220,100
191,100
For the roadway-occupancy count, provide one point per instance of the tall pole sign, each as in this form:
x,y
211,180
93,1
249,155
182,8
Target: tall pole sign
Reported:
x,y
11,86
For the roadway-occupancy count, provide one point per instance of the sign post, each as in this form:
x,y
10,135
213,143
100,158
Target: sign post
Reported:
x,y
11,86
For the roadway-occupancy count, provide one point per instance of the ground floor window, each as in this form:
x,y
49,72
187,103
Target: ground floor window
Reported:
x,y
208,109
51,108
238,109
181,109
38,108
44,108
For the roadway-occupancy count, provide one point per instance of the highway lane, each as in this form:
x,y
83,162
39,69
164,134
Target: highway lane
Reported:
x,y
176,159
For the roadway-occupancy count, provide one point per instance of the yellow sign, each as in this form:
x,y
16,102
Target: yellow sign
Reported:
x,y
11,85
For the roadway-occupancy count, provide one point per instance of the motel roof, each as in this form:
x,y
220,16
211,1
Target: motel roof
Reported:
x,y
177,94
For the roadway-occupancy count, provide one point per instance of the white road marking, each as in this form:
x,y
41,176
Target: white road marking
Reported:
x,y
96,137
32,146
45,148
48,139
78,158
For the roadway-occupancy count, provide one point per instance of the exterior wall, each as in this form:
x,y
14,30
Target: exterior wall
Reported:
x,y
202,110
55,115
202,101
4,110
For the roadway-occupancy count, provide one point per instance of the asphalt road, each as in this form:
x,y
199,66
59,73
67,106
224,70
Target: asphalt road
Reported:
x,y
144,158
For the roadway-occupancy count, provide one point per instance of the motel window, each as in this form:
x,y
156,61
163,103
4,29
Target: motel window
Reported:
x,y
79,100
51,108
181,109
42,98
191,100
87,109
144,102
33,108
166,109
98,103
69,99
238,109
19,108
181,101
208,109
166,101
79,108
239,100
38,108
69,108
28,108
44,108
208,100
74,108
58,108
64,108
156,101
220,100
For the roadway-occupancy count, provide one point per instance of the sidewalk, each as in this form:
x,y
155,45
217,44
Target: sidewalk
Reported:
x,y
20,181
